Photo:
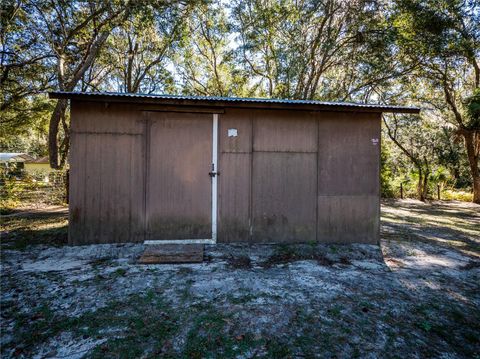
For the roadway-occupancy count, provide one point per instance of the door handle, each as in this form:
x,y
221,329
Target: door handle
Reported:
x,y
213,173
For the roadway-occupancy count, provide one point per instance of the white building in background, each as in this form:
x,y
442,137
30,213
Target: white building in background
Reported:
x,y
40,167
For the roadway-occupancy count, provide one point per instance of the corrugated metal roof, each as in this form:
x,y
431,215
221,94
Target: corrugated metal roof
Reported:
x,y
217,100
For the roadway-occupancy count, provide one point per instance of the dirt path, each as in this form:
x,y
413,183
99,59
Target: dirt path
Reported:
x,y
417,295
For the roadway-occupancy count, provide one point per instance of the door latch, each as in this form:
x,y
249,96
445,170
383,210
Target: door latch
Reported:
x,y
213,173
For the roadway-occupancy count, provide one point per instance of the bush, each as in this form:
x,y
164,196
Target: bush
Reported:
x,y
455,195
386,175
31,190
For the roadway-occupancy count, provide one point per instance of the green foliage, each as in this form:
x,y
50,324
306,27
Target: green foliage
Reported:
x,y
25,69
440,157
205,60
450,154
386,174
425,325
473,110
423,52
24,126
29,190
310,49
450,195
136,54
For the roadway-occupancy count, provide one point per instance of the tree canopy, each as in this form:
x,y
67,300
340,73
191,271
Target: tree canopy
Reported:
x,y
411,52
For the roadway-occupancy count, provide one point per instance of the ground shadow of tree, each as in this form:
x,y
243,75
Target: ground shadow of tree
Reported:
x,y
441,225
23,230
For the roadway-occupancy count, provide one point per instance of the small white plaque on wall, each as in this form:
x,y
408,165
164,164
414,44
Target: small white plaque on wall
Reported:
x,y
232,132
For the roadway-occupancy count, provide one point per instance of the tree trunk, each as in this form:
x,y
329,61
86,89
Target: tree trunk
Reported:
x,y
57,115
476,190
471,145
420,192
425,186
59,112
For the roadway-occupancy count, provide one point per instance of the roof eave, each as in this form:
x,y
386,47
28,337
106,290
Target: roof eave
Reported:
x,y
98,97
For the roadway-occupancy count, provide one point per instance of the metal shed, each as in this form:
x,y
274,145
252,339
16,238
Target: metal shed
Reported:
x,y
185,169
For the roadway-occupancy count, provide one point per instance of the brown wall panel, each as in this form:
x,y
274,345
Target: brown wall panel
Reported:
x,y
234,197
107,118
284,131
284,197
92,183
348,154
241,120
106,177
77,194
178,181
348,219
234,187
107,197
122,190
348,177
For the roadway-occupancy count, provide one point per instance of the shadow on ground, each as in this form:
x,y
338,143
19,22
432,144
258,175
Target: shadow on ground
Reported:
x,y
450,225
23,229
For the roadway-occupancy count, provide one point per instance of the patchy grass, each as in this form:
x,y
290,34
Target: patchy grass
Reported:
x,y
422,299
142,326
285,254
240,262
139,321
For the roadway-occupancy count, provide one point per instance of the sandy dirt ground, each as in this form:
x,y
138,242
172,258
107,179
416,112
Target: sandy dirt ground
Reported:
x,y
417,295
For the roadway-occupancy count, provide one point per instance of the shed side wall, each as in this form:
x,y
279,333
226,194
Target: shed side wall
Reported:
x,y
106,174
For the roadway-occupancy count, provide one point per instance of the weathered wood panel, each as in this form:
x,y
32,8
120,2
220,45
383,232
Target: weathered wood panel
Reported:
x,y
92,182
234,197
107,176
349,149
241,121
348,180
284,197
348,219
284,131
99,117
235,164
77,189
178,183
